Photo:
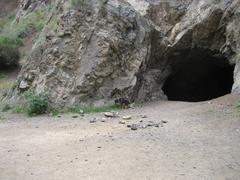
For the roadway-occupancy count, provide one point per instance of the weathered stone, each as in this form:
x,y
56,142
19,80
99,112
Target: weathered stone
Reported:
x,y
122,122
127,117
23,85
110,114
134,127
126,48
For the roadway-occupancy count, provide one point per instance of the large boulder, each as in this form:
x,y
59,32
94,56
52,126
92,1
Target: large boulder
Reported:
x,y
102,50
93,56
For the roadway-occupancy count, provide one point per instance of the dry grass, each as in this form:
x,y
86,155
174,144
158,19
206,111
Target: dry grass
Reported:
x,y
5,84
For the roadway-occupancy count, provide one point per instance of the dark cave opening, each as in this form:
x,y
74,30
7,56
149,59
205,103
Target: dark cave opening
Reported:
x,y
199,79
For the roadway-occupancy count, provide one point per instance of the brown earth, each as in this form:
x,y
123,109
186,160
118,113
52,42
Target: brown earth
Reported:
x,y
199,141
7,7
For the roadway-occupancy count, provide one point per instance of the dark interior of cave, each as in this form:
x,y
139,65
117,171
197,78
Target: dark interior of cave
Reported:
x,y
199,78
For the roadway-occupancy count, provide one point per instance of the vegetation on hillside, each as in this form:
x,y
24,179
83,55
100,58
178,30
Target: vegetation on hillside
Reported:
x,y
13,34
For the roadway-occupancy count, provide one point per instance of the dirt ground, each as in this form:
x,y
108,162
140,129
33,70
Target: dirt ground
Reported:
x,y
196,141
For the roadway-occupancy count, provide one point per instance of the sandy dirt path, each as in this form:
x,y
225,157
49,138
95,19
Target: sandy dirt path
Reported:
x,y
199,141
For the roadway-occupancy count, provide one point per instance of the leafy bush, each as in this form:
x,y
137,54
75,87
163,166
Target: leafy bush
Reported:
x,y
8,40
9,56
7,20
6,108
36,103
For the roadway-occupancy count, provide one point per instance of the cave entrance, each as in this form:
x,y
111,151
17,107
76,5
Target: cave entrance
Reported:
x,y
199,78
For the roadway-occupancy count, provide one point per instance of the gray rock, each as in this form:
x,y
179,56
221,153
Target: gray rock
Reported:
x,y
110,114
125,48
94,120
127,117
122,122
134,127
75,116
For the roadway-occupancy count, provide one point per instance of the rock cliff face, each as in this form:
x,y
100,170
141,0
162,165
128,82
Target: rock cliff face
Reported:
x,y
27,6
97,51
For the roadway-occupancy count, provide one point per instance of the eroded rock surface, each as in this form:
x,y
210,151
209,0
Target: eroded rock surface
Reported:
x,y
104,50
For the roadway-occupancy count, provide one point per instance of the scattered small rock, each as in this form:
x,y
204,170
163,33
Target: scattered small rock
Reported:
x,y
75,116
93,120
143,127
128,125
103,120
127,117
143,116
132,105
37,127
28,155
122,122
150,124
156,125
165,122
134,127
110,114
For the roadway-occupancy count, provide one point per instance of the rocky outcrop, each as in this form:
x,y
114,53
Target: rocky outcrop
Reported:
x,y
28,6
102,50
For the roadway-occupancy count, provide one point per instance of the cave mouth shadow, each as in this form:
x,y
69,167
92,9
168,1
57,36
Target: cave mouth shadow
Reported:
x,y
199,79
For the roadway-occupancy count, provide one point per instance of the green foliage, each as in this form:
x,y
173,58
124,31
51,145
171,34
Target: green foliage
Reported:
x,y
92,109
9,56
8,40
33,22
238,105
19,109
12,34
6,108
7,21
36,103
54,113
78,3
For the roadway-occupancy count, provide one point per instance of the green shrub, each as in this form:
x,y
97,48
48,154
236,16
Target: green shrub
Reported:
x,y
6,108
9,56
8,40
36,103
18,109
